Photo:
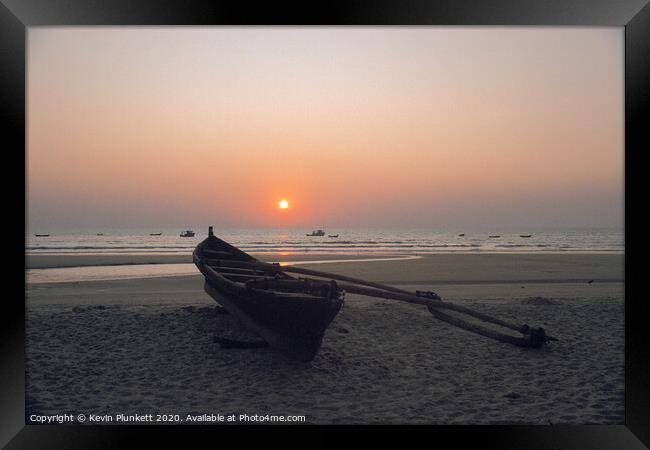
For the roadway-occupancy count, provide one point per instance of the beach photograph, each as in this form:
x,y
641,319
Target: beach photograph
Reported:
x,y
325,225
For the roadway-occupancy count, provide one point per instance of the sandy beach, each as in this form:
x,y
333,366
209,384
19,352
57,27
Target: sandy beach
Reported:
x,y
146,346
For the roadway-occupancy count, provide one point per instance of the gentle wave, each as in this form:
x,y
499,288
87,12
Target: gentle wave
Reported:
x,y
259,245
88,247
523,245
292,246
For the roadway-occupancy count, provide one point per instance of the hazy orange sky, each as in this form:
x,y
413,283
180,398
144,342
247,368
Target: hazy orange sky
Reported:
x,y
423,127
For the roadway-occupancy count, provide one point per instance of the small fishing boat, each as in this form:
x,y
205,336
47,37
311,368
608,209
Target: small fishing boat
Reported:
x,y
100,234
317,233
495,235
187,233
333,235
155,234
291,314
42,235
461,234
525,235
292,317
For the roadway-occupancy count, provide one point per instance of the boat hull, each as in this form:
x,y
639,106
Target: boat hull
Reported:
x,y
300,345
293,323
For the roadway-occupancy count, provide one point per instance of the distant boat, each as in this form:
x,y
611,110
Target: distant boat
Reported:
x,y
317,233
333,235
525,235
461,234
155,234
100,234
495,236
187,233
42,235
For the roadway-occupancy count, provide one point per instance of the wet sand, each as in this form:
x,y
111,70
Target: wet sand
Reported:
x,y
141,346
41,261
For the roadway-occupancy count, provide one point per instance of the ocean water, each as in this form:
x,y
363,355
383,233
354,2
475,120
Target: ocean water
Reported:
x,y
349,241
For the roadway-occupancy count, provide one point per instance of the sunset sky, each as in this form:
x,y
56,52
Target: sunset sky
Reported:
x,y
383,127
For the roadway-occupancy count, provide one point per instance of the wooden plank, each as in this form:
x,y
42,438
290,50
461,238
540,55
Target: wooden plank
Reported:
x,y
221,269
243,276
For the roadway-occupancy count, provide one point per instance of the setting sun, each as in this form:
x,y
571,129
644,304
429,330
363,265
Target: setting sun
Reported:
x,y
283,204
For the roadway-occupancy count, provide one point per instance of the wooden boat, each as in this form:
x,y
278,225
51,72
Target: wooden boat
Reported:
x,y
495,236
155,234
316,233
333,235
100,234
42,235
292,314
525,235
292,317
187,233
461,234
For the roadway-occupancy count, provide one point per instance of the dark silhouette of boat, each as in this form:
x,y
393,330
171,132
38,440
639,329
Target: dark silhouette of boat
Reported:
x,y
317,233
291,319
187,233
461,234
100,234
155,234
495,235
525,235
333,235
42,235
292,314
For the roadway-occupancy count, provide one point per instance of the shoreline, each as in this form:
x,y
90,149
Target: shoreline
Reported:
x,y
50,261
410,269
60,260
78,274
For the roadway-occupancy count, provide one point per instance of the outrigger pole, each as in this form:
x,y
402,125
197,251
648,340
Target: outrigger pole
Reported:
x,y
531,337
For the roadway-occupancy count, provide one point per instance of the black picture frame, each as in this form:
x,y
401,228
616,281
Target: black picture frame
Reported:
x,y
634,15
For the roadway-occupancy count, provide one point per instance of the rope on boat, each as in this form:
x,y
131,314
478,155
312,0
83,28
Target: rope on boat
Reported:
x,y
532,337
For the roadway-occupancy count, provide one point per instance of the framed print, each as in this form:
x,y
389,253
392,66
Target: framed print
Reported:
x,y
402,217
